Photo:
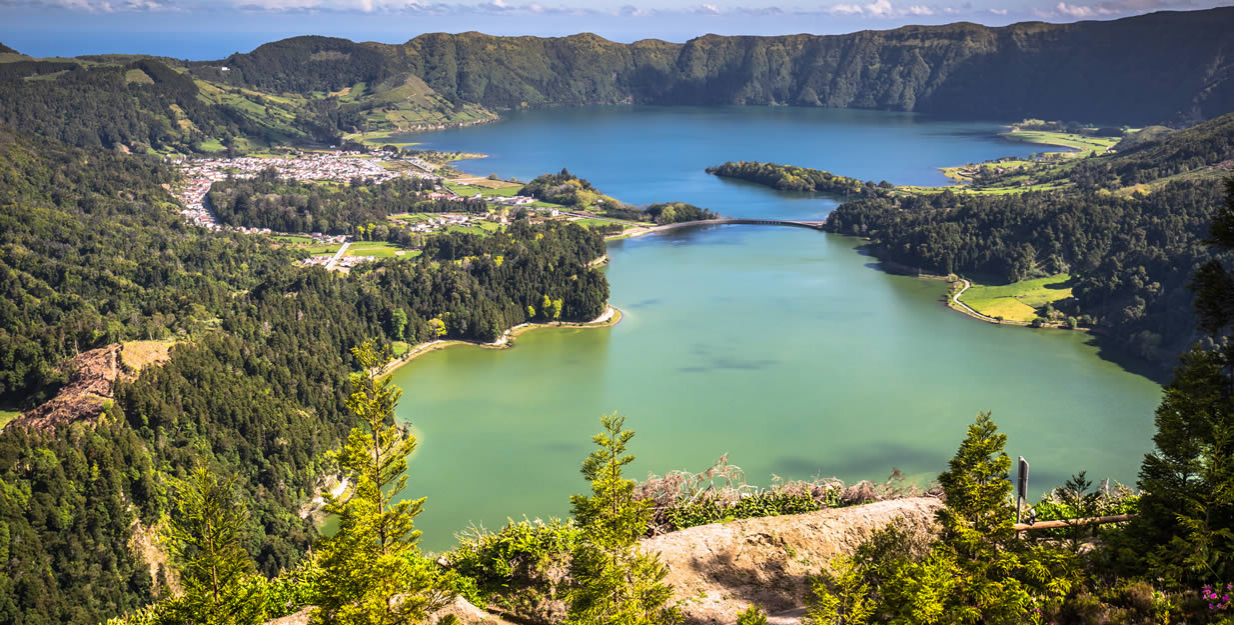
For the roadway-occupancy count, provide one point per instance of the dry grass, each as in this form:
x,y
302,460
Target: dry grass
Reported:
x,y
725,484
137,354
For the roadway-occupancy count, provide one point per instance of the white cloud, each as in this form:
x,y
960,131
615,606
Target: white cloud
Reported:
x,y
917,9
845,9
999,11
879,8
708,9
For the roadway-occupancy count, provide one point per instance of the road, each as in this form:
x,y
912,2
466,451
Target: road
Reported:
x,y
337,255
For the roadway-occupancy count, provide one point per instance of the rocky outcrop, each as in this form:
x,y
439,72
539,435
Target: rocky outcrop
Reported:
x,y
718,570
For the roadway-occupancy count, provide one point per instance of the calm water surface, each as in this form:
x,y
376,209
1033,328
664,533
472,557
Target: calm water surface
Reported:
x,y
787,349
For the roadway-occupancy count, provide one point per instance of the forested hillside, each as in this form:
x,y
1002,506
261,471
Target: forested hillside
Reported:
x,y
1131,255
1166,66
93,252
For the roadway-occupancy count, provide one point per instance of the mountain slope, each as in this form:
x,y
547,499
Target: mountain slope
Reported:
x,y
1165,66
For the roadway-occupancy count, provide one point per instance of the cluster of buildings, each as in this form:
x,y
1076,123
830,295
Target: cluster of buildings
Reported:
x,y
338,166
513,200
445,220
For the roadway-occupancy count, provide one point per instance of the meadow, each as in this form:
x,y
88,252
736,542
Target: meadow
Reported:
x,y
1019,301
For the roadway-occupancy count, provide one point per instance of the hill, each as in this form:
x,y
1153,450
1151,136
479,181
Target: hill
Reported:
x,y
1163,66
1160,68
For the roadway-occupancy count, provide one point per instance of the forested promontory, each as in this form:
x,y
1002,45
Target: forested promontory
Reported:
x,y
791,178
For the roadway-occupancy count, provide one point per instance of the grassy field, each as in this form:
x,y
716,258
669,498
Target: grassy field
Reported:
x,y
415,218
399,347
323,249
1084,144
6,416
380,249
507,190
287,239
1020,301
483,227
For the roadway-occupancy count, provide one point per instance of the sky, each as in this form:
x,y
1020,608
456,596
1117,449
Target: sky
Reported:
x,y
214,29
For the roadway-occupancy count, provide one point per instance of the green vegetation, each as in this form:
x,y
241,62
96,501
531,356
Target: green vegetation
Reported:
x,y
570,191
1131,285
467,190
1084,145
373,558
957,70
293,240
1025,300
789,178
206,540
380,249
613,581
8,415
1187,511
288,205
249,322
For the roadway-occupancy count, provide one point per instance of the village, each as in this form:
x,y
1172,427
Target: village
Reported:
x,y
339,167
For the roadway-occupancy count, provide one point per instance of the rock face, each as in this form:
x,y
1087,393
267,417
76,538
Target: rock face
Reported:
x,y
719,570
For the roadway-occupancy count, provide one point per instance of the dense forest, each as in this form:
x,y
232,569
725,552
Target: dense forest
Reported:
x,y
1130,256
1158,67
78,272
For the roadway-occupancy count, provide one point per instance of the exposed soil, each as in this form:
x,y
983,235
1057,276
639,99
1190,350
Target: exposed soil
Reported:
x,y
91,382
718,570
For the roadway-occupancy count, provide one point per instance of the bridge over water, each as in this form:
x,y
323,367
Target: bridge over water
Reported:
x,y
813,225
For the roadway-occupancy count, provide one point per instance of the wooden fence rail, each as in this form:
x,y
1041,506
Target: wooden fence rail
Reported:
x,y
1046,525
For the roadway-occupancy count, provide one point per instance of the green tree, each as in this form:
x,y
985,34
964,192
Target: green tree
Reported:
x,y
1187,509
998,579
840,597
205,536
398,323
372,570
615,583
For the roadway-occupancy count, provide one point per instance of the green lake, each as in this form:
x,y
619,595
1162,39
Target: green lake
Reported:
x,y
786,349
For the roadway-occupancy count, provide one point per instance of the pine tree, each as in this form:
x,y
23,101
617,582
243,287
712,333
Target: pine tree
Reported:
x,y
615,583
998,579
1187,509
840,596
205,536
372,570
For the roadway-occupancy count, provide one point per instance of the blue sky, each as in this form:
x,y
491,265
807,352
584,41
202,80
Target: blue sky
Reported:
x,y
210,29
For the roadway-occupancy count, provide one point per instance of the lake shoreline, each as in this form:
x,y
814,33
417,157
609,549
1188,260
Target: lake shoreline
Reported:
x,y
609,318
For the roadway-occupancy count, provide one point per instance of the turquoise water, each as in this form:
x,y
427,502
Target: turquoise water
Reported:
x,y
785,348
